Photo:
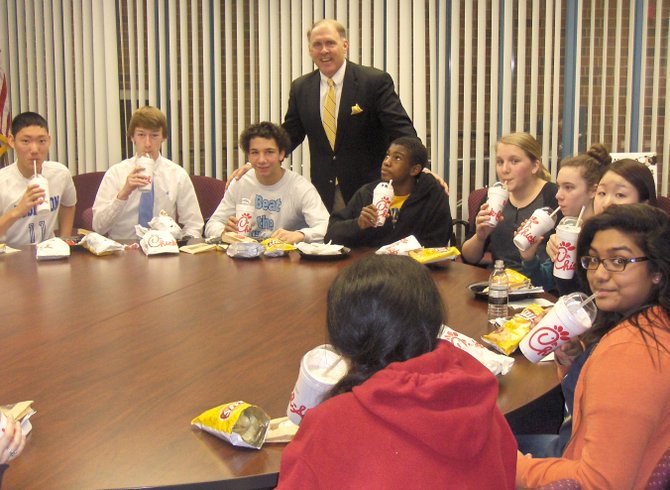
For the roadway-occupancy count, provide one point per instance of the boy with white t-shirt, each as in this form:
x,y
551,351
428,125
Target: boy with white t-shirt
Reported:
x,y
286,205
20,224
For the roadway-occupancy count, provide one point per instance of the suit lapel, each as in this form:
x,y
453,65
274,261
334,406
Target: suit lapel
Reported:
x,y
347,101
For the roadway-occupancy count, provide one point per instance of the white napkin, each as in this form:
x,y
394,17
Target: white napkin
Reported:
x,y
401,247
159,242
319,248
496,363
162,222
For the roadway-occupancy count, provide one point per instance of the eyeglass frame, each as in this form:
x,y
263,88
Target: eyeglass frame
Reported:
x,y
598,261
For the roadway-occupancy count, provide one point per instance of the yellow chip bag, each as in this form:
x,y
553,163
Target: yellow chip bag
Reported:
x,y
506,338
239,423
517,280
431,255
276,248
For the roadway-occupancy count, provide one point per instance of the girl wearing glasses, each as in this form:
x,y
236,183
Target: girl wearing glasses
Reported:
x,y
620,427
519,165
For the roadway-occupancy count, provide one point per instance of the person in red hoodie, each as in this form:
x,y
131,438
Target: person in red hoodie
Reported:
x,y
412,411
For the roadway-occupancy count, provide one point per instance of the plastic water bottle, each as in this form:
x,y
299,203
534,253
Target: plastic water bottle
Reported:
x,y
498,291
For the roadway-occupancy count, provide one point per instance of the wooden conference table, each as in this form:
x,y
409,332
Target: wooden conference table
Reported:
x,y
121,352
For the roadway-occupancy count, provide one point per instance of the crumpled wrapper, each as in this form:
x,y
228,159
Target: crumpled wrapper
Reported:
x,y
162,222
319,248
401,247
242,250
159,242
433,255
496,363
100,245
52,249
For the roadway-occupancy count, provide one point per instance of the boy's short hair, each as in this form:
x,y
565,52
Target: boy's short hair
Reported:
x,y
418,153
268,131
147,117
26,119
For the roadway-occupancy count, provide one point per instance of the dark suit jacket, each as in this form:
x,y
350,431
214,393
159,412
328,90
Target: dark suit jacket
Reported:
x,y
361,140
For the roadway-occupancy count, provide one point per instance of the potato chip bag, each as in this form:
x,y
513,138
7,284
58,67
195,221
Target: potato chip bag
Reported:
x,y
239,423
506,338
276,248
431,255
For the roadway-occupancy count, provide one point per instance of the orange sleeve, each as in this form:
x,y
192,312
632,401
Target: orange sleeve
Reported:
x,y
624,398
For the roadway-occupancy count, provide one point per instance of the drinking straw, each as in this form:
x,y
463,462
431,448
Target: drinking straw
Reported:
x,y
555,211
579,218
587,300
330,368
35,167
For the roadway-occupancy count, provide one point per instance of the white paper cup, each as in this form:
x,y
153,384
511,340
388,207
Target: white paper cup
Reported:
x,y
563,322
567,233
320,369
497,198
45,206
147,164
537,225
381,198
244,214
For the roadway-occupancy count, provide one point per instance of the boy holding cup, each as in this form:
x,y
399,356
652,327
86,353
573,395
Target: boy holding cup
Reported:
x,y
135,190
20,222
419,205
279,203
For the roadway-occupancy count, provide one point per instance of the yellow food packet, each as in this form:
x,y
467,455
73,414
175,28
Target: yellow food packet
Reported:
x,y
430,255
239,423
276,248
506,338
517,280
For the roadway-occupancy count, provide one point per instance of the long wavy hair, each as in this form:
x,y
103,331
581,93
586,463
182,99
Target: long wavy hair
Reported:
x,y
382,309
649,228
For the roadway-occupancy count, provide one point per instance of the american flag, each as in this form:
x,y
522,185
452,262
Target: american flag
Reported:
x,y
5,118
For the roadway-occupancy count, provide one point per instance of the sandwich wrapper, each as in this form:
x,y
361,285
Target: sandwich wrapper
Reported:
x,y
159,242
52,249
100,245
21,411
496,363
162,222
401,247
319,248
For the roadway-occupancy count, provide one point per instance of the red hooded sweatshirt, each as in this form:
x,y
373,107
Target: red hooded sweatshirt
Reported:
x,y
429,422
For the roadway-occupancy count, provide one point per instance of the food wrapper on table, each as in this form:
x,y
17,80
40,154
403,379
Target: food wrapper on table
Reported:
x,y
52,249
506,338
234,237
319,248
197,248
401,247
100,245
496,363
433,255
162,222
276,248
243,250
239,423
159,242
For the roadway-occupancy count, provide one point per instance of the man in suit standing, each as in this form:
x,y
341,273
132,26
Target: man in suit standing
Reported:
x,y
350,126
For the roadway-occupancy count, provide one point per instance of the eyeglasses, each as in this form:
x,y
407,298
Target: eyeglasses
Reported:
x,y
617,264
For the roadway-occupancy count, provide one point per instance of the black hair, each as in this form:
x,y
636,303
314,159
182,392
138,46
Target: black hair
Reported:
x,y
418,154
26,119
639,176
268,131
382,309
649,228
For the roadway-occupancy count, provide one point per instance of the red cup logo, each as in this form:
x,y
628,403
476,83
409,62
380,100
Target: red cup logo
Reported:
x,y
244,222
299,410
545,339
564,260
